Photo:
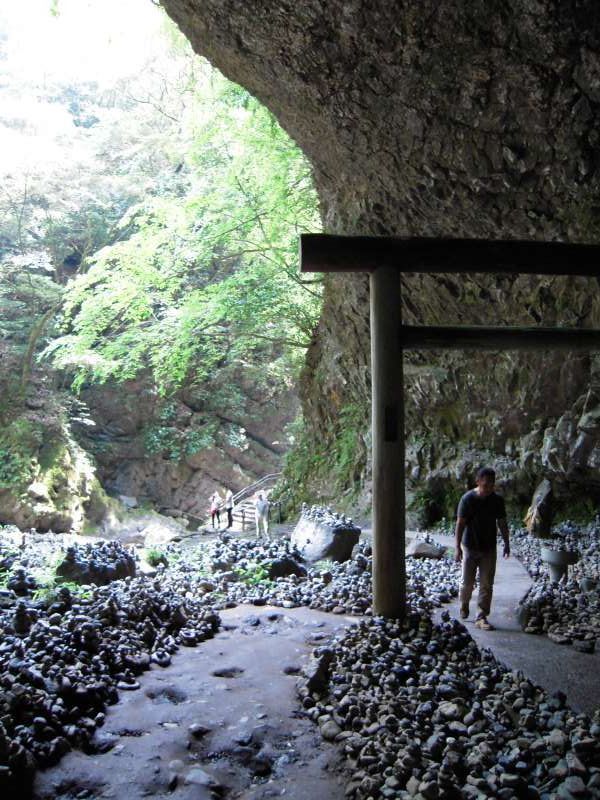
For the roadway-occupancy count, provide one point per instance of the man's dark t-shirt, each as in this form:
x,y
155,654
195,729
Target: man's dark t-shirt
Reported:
x,y
481,514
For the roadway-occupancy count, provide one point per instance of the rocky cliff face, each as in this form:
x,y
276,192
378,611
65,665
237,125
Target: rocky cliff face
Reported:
x,y
457,119
47,481
59,457
158,452
63,495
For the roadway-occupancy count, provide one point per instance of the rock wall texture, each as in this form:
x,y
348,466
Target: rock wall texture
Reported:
x,y
47,480
476,119
63,495
144,454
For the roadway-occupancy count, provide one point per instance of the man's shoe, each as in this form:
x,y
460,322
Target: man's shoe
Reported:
x,y
464,612
484,625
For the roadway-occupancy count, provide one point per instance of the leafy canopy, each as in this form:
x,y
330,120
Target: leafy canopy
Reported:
x,y
206,279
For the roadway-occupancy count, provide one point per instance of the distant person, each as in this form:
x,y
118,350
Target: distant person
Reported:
x,y
229,507
480,512
261,515
215,508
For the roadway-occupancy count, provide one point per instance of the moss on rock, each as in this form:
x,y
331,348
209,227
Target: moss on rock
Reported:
x,y
331,468
47,481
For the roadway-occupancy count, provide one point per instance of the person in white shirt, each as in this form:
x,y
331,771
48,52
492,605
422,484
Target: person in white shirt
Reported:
x,y
261,515
229,507
215,508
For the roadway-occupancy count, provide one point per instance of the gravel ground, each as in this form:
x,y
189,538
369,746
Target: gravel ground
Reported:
x,y
417,707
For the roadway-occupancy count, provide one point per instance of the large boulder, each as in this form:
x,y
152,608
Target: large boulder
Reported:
x,y
424,548
322,534
539,515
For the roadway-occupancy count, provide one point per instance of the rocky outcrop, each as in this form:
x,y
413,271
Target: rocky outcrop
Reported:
x,y
63,495
167,453
460,119
321,534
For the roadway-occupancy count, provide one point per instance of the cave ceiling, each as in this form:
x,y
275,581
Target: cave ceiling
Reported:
x,y
474,118
427,118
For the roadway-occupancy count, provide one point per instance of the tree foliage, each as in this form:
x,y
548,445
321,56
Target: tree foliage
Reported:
x,y
206,278
73,158
149,229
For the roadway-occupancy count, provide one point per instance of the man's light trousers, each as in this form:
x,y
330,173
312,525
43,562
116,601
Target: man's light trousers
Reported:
x,y
484,563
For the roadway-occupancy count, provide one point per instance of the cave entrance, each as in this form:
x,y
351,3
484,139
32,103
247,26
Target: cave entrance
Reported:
x,y
385,258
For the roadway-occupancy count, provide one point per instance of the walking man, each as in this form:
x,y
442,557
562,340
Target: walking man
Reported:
x,y
229,507
261,515
480,512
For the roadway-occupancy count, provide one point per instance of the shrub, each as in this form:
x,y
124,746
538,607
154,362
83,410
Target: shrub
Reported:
x,y
19,444
48,593
154,557
253,574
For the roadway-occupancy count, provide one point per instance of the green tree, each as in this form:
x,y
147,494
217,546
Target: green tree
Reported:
x,y
152,231
81,156
205,284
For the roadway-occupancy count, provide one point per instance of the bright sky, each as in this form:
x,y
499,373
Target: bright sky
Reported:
x,y
89,39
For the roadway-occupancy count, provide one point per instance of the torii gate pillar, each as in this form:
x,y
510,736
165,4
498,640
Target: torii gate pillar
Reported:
x,y
385,258
387,409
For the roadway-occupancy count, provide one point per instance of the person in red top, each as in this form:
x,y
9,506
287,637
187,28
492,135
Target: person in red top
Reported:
x,y
480,512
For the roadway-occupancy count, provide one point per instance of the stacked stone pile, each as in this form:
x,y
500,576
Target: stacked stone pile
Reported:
x,y
568,536
421,712
21,583
64,657
342,588
8,557
567,613
62,665
98,563
327,516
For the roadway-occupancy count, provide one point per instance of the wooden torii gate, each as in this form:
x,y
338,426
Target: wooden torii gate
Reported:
x,y
385,258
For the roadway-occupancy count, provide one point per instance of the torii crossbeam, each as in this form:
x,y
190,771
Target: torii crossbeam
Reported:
x,y
385,258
